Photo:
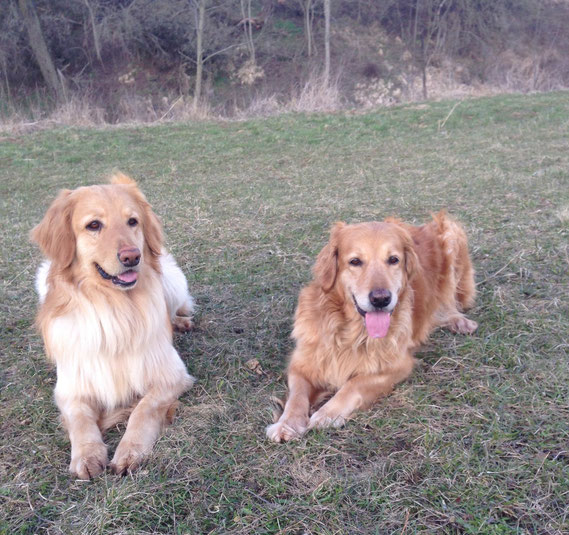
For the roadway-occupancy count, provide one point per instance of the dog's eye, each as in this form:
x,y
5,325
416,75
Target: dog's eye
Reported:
x,y
94,225
355,262
393,260
132,222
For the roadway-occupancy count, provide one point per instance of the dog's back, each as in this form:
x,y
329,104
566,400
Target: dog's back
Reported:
x,y
445,281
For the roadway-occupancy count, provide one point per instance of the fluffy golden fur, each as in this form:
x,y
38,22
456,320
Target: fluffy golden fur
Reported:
x,y
379,289
109,298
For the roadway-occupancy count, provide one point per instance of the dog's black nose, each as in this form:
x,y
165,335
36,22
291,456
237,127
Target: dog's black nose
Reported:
x,y
129,256
380,297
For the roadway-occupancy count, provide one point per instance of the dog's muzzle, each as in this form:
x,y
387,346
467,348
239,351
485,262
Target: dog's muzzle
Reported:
x,y
126,279
376,321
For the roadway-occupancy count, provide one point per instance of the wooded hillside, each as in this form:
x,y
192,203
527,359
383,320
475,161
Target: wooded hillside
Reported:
x,y
148,59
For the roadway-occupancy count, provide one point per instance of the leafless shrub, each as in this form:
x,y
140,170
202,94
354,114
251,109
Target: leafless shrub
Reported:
x,y
316,96
446,81
313,96
530,70
261,106
249,73
75,111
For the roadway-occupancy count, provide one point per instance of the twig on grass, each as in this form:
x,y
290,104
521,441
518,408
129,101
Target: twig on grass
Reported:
x,y
260,498
442,124
406,522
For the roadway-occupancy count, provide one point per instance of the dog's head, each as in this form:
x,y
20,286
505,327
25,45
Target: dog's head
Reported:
x,y
369,265
106,232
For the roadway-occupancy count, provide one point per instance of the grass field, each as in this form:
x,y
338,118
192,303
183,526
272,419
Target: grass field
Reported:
x,y
477,441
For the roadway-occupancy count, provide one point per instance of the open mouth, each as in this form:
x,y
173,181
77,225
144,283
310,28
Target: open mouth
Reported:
x,y
376,322
126,279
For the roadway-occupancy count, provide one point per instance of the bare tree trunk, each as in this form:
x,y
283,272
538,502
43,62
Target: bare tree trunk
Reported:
x,y
414,36
308,25
199,52
96,42
248,27
415,28
252,43
6,80
326,42
39,48
433,38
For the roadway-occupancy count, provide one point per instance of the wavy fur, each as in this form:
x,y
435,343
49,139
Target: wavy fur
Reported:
x,y
426,271
111,340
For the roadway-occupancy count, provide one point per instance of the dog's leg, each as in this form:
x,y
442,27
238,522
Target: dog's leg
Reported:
x,y
88,451
143,428
358,393
178,300
461,289
293,422
465,285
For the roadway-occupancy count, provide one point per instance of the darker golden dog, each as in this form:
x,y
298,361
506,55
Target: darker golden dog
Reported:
x,y
379,289
109,296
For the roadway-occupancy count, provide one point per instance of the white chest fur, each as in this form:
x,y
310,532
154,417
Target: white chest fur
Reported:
x,y
113,350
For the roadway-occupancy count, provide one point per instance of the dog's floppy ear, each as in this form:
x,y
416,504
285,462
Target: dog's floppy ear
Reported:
x,y
412,265
54,233
152,230
326,266
150,223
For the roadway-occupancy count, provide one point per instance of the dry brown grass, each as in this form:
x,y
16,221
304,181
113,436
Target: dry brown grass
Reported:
x,y
81,111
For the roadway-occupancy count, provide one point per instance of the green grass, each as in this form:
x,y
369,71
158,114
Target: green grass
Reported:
x,y
477,441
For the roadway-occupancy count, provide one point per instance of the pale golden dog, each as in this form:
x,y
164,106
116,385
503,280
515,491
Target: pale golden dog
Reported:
x,y
109,295
378,291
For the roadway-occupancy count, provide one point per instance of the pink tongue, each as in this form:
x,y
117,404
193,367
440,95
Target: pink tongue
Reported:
x,y
128,276
377,323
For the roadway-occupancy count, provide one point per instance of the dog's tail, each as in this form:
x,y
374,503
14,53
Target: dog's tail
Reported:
x,y
277,407
455,246
111,418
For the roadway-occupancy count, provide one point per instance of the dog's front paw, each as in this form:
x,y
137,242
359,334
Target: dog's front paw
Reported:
x,y
324,418
462,325
89,460
128,458
286,430
182,324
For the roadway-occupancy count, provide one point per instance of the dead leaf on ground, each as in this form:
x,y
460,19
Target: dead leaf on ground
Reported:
x,y
255,366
